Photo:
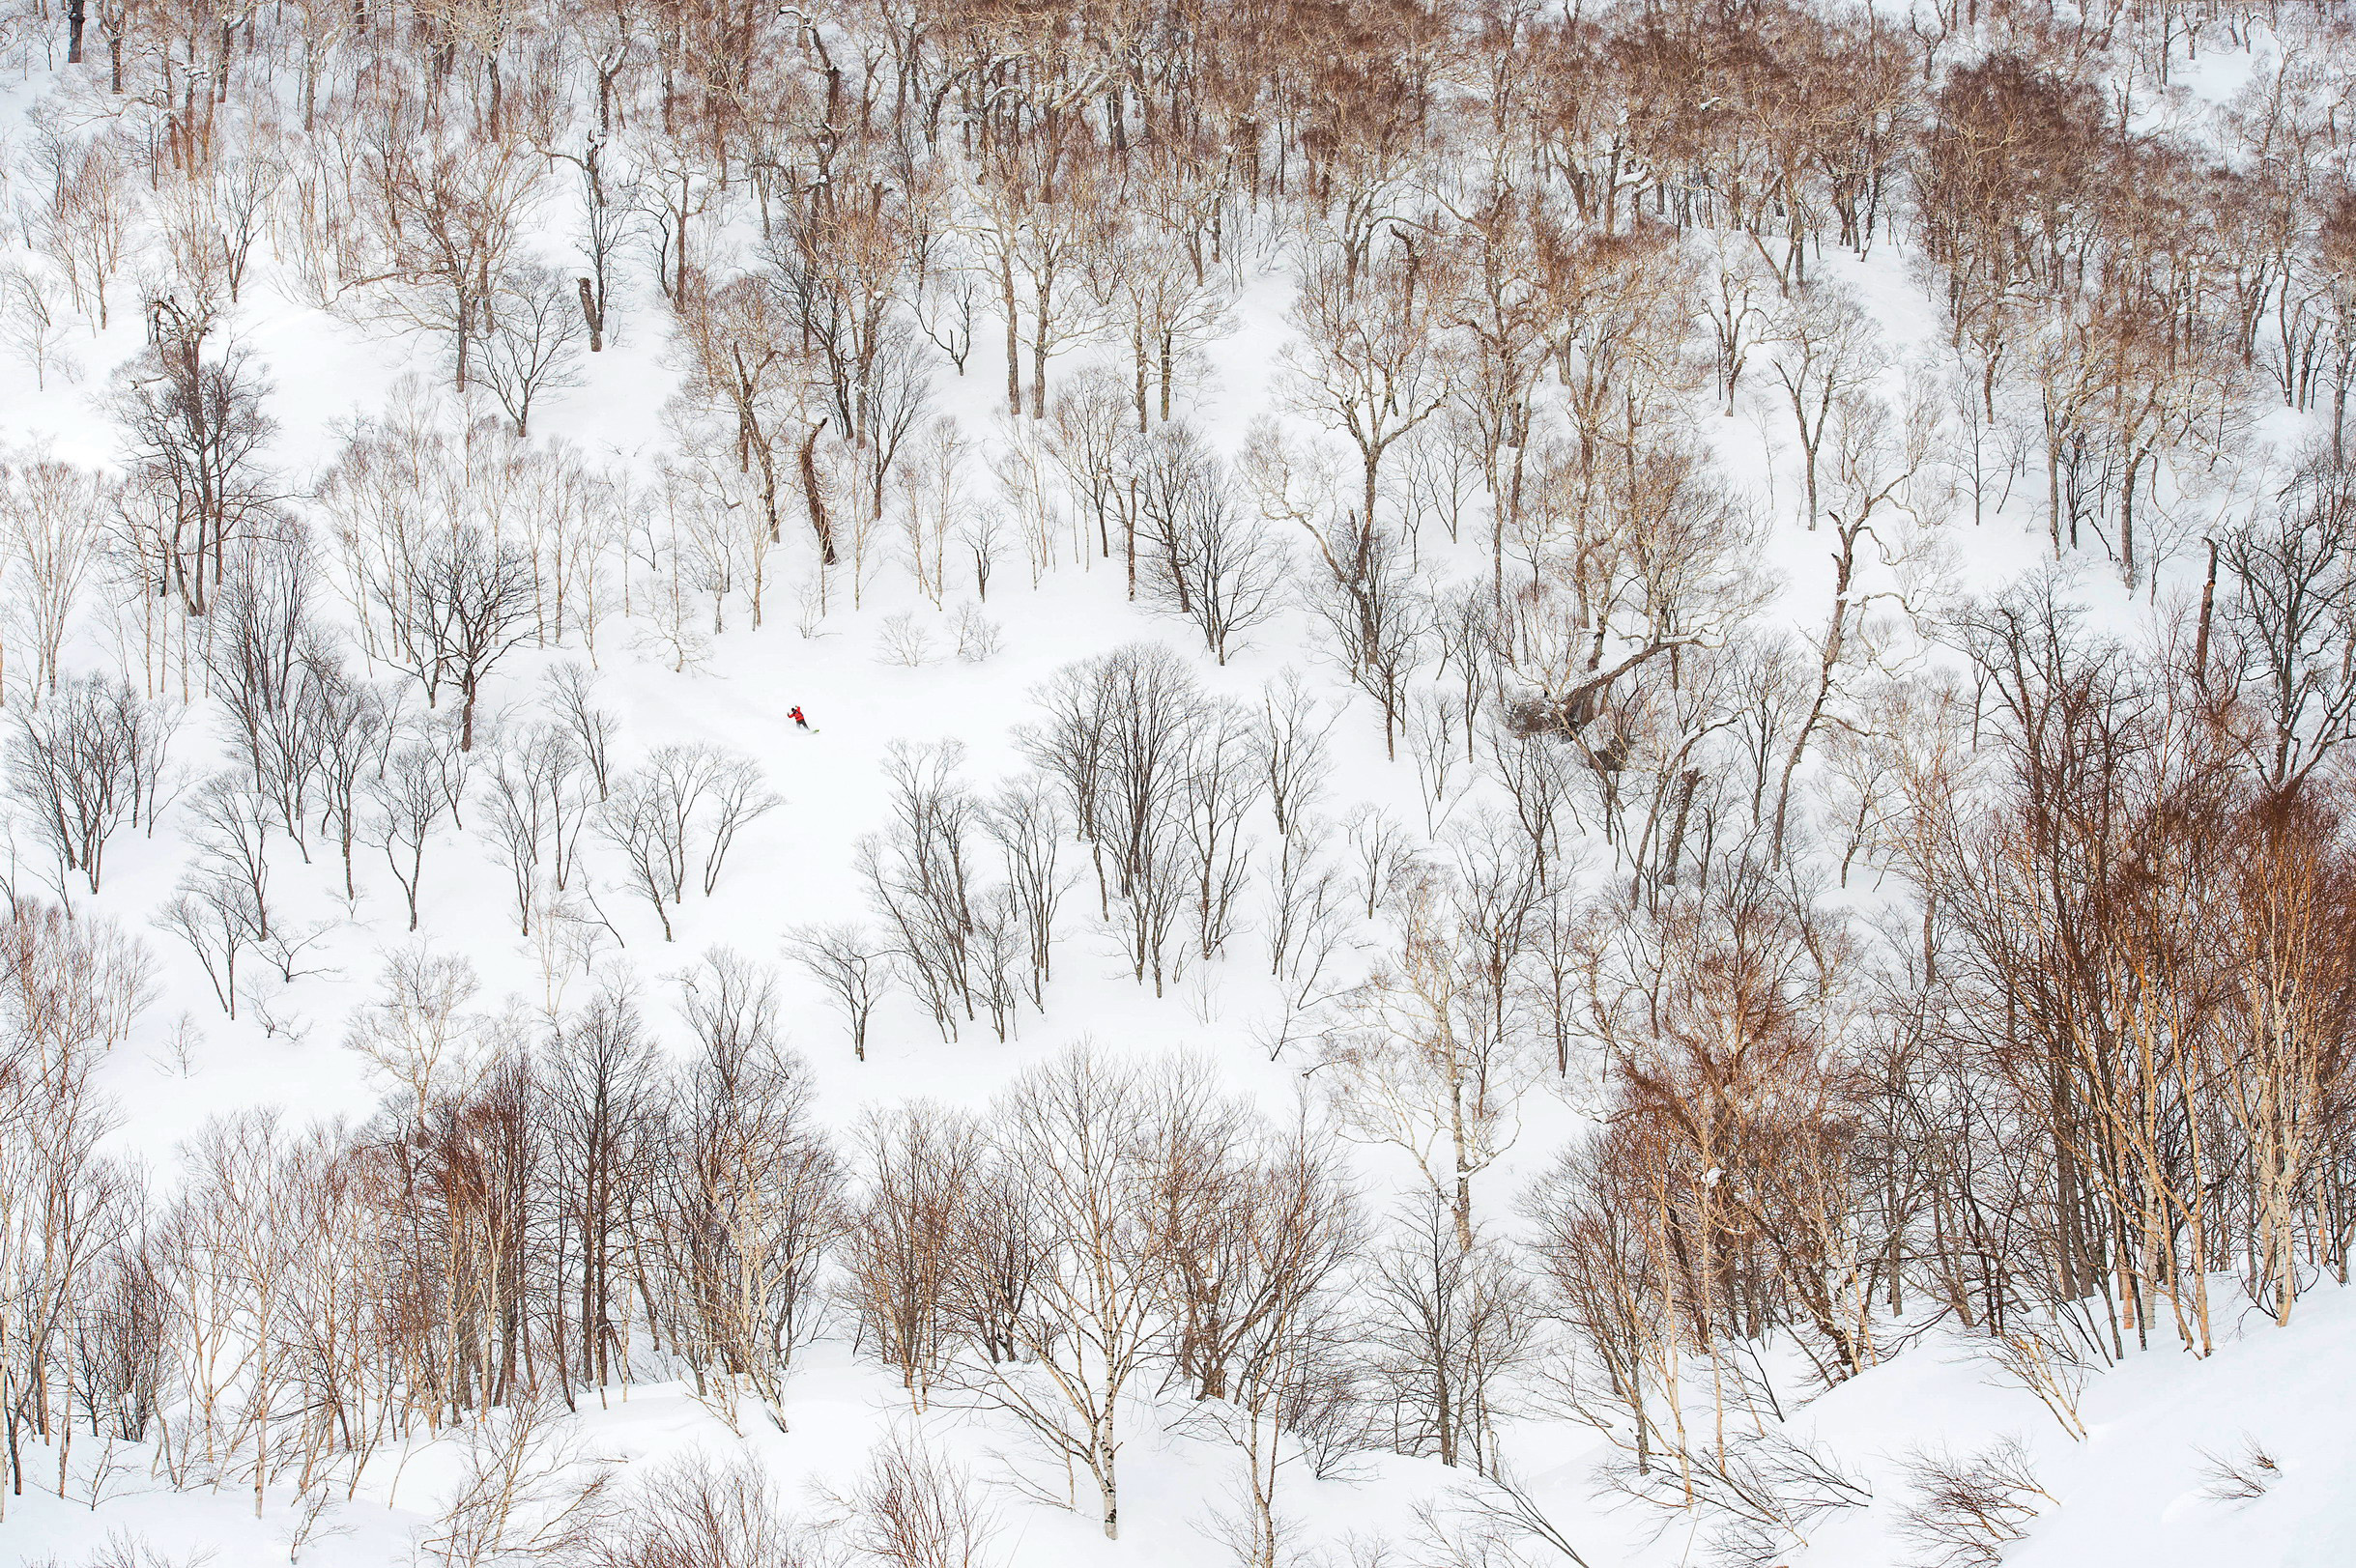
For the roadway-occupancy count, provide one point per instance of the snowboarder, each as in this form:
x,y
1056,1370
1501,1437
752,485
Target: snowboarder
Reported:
x,y
796,716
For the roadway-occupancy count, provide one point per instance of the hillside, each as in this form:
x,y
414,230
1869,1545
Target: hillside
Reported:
x,y
1575,785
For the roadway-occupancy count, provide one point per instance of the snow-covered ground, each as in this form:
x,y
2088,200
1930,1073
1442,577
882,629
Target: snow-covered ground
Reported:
x,y
2131,1492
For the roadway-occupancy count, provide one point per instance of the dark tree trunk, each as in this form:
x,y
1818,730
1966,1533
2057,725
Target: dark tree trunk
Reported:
x,y
815,498
592,316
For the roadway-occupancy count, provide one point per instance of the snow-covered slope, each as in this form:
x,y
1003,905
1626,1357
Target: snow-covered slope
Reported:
x,y
2139,1485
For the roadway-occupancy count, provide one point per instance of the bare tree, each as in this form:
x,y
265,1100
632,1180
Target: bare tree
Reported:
x,y
54,516
534,343
850,964
1029,826
702,1510
922,1166
1204,555
436,224
920,874
1156,774
525,1492
571,686
194,432
458,603
32,318
1452,1322
1824,352
82,763
1431,1061
536,806
605,1088
357,723
407,801
1314,932
1040,208
2284,628
1968,1508
744,362
1262,1230
1293,730
83,222
913,1509
754,1195
676,818
1380,619
1085,1317
228,830
1373,364
212,916
420,1036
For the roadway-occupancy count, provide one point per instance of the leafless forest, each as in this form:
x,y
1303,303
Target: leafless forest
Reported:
x,y
1883,947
